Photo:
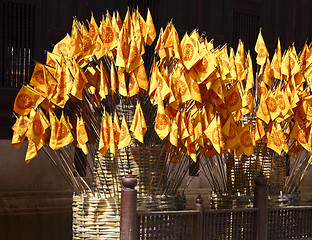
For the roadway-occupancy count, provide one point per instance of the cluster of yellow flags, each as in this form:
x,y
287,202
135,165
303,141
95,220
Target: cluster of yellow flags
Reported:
x,y
203,94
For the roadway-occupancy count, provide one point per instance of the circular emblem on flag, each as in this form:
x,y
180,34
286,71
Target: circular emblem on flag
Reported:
x,y
233,132
262,50
195,87
51,63
175,133
92,31
188,52
39,77
202,65
182,87
131,83
23,101
276,139
280,101
63,48
161,122
276,65
37,127
133,54
271,104
245,139
264,90
233,99
79,82
302,137
61,131
160,83
215,136
239,68
81,134
125,51
86,43
123,133
107,35
281,136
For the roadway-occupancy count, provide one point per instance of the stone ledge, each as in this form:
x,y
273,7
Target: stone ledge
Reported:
x,y
35,202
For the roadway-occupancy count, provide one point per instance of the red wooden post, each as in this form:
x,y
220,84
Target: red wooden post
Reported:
x,y
261,202
198,223
128,210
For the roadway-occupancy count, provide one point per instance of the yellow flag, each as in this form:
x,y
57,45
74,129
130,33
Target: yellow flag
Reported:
x,y
282,137
162,123
250,79
160,46
240,62
259,130
108,35
124,137
307,107
54,123
93,28
245,140
150,29
63,47
271,103
141,77
135,58
261,50
63,134
25,100
180,87
263,112
285,68
173,135
232,65
233,99
36,129
266,73
75,39
190,55
214,133
193,86
79,82
103,83
104,142
274,141
247,102
113,78
301,134
112,141
116,128
52,59
122,87
123,49
31,151
21,125
138,126
206,66
133,85
82,136
190,141
293,61
282,101
277,61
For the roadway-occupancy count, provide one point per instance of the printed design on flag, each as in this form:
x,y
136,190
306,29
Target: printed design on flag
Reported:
x,y
281,102
92,31
62,131
276,65
202,65
81,133
215,136
133,55
37,127
276,139
271,104
79,83
195,87
233,99
123,133
232,132
107,35
262,50
39,76
23,101
125,51
245,139
63,48
302,137
188,52
161,122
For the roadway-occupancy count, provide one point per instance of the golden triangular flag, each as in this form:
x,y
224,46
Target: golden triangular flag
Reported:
x,y
25,100
124,137
104,142
261,50
162,124
138,126
150,29
82,136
